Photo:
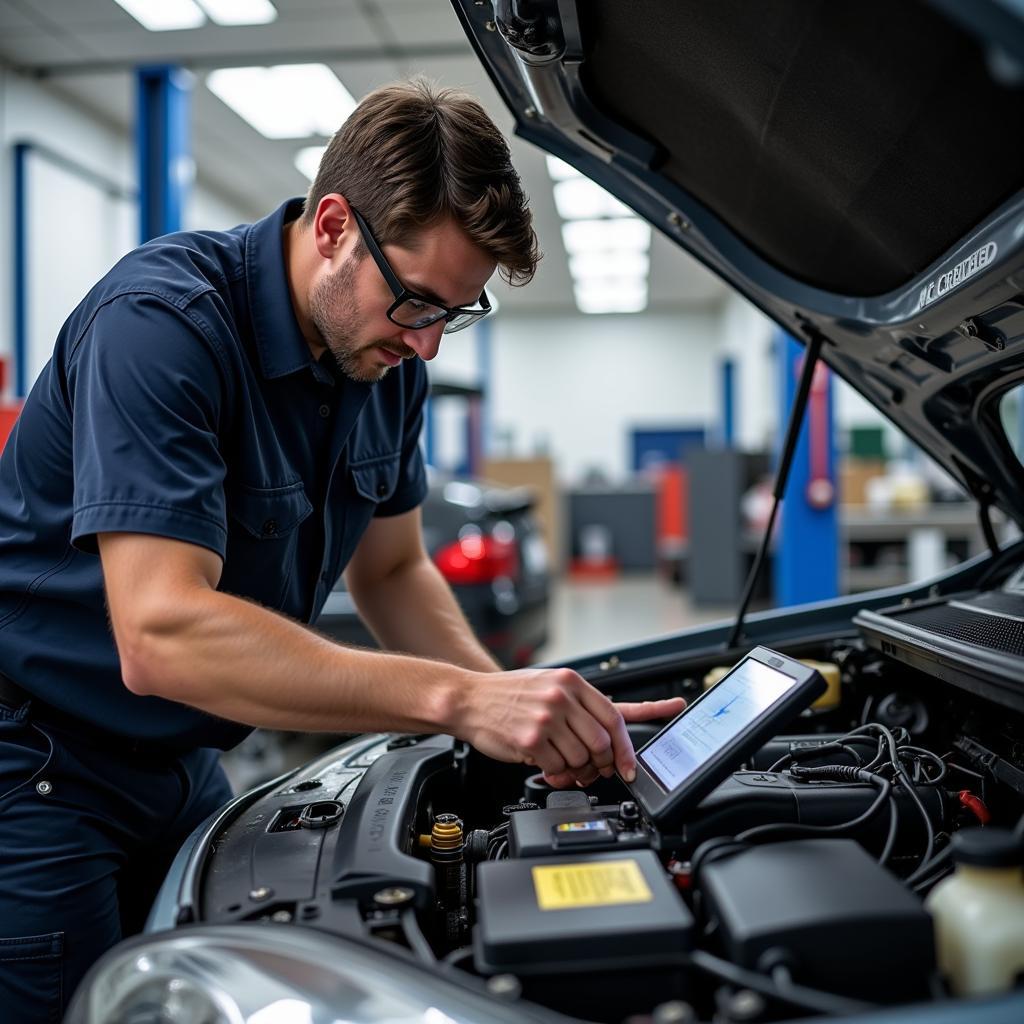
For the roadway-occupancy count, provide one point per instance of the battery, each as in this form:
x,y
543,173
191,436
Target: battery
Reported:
x,y
584,912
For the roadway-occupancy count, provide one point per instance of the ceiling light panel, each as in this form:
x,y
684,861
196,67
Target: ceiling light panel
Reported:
x,y
614,263
164,15
240,12
580,199
288,101
582,236
597,297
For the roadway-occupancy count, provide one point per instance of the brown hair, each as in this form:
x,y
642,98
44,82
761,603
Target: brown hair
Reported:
x,y
411,154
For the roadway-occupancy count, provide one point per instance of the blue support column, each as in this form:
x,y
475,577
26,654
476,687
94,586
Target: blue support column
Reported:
x,y
485,370
728,403
807,550
162,133
20,261
429,432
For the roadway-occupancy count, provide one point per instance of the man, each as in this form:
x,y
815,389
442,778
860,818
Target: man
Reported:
x,y
228,421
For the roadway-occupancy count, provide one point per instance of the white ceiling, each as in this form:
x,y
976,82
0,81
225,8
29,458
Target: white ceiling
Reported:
x,y
86,50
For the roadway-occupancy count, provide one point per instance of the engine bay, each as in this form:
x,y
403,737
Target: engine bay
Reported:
x,y
797,887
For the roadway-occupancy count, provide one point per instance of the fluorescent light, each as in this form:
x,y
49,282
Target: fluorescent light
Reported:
x,y
580,199
240,12
307,160
626,296
559,170
594,235
164,15
612,262
288,101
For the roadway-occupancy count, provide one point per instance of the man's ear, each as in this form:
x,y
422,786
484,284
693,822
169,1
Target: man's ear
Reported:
x,y
334,227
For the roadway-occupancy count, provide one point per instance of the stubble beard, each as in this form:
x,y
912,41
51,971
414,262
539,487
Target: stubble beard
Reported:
x,y
335,313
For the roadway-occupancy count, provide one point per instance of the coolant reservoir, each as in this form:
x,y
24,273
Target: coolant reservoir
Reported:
x,y
979,913
828,670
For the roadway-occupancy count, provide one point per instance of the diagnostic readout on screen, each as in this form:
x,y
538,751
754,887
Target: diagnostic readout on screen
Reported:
x,y
713,722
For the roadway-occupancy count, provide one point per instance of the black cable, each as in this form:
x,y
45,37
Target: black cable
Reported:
x,y
890,839
795,995
796,417
416,939
456,956
885,789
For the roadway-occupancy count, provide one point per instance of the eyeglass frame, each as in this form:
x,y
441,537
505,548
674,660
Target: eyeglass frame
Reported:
x,y
403,294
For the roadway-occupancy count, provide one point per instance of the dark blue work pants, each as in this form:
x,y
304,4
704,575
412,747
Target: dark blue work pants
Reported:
x,y
86,835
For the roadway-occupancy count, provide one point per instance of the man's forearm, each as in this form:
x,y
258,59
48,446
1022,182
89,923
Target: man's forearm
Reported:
x,y
413,609
240,661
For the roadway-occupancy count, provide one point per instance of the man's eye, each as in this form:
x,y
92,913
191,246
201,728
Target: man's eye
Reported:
x,y
417,304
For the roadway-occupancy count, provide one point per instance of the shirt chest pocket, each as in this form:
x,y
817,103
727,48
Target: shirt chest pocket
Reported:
x,y
263,531
376,479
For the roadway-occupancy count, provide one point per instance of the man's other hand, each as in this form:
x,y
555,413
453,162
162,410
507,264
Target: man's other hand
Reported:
x,y
554,719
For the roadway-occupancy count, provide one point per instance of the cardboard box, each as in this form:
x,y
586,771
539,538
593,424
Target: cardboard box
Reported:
x,y
539,475
854,475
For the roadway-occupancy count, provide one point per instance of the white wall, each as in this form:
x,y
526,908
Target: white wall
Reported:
x,y
575,386
76,232
747,337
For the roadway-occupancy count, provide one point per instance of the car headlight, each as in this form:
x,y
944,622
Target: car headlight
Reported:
x,y
267,974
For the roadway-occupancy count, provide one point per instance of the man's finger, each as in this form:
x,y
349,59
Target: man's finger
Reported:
x,y
549,760
622,748
644,711
593,736
560,780
569,745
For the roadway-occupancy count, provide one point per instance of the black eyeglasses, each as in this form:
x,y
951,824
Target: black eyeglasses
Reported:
x,y
417,311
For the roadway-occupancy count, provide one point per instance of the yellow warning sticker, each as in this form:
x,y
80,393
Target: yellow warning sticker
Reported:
x,y
601,884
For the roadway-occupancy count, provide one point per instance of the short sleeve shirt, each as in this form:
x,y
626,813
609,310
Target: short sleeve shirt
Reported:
x,y
183,401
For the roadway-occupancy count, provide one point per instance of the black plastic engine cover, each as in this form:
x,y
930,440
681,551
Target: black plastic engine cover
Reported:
x,y
827,912
378,825
748,799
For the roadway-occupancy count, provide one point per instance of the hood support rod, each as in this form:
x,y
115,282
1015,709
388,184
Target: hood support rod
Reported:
x,y
796,419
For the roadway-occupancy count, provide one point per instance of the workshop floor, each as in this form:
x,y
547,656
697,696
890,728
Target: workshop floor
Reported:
x,y
586,616
593,616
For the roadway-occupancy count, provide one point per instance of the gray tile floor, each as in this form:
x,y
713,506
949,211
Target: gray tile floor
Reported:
x,y
594,615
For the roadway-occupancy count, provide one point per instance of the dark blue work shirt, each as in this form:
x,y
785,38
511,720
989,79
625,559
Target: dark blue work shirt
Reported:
x,y
183,401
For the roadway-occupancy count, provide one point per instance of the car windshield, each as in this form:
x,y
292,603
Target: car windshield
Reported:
x,y
1011,415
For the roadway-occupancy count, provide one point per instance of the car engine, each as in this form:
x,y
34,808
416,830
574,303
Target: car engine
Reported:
x,y
797,887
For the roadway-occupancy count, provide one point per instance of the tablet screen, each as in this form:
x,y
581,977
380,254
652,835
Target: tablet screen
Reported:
x,y
713,722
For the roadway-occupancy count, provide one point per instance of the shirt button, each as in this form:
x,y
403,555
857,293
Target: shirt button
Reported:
x,y
270,528
382,489
324,410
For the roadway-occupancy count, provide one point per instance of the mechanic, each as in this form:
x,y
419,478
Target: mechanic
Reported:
x,y
228,421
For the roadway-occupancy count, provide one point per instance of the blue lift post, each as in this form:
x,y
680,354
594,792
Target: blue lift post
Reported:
x,y
162,131
807,551
728,433
478,411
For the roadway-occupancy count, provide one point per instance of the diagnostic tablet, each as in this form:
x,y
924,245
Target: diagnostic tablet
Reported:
x,y
715,734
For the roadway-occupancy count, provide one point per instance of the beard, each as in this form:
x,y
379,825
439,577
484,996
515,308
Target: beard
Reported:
x,y
335,312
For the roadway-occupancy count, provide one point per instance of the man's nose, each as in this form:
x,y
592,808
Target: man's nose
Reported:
x,y
426,341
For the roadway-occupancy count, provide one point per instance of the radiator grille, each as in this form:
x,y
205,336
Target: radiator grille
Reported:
x,y
990,631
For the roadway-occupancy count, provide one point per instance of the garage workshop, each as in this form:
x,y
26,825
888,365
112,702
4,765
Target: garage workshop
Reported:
x,y
511,511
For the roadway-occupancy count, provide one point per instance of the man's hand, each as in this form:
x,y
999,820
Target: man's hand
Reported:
x,y
554,719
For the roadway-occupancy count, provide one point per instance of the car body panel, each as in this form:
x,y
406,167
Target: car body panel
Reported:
x,y
928,354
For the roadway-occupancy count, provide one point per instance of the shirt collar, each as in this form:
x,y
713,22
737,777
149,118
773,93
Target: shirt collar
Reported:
x,y
279,342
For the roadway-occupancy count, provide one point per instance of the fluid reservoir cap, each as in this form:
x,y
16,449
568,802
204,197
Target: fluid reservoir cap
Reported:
x,y
988,848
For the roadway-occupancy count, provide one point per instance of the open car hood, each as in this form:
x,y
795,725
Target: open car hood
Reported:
x,y
854,170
